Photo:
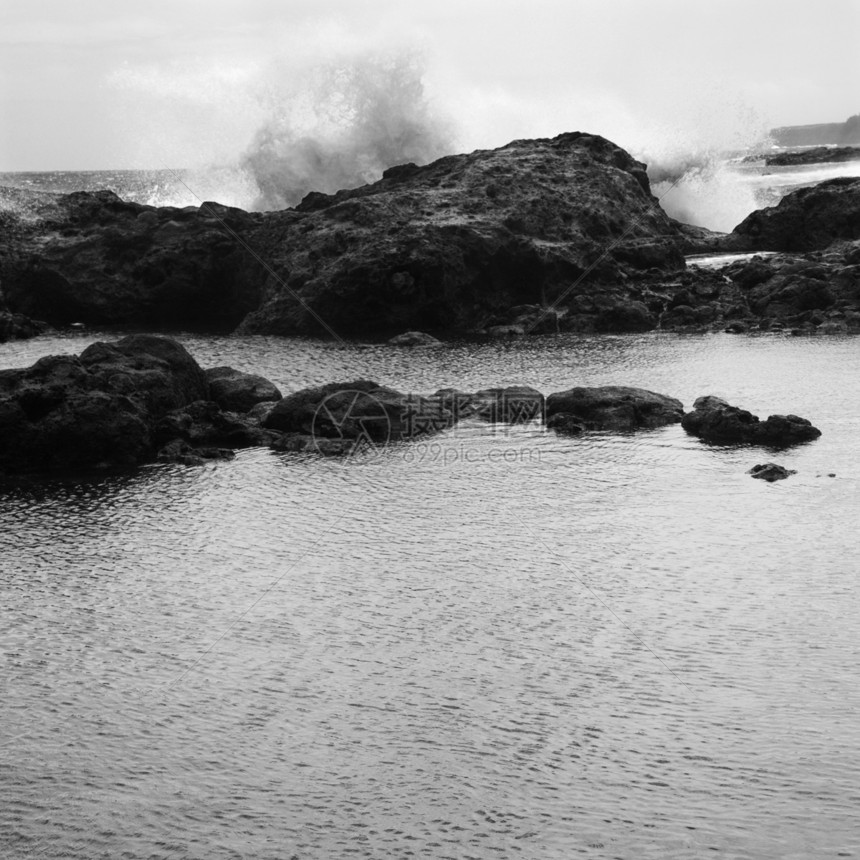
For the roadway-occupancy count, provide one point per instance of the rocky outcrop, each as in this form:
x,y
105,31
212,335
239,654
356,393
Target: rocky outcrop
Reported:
x,y
714,420
118,405
806,219
611,407
94,258
771,472
453,245
816,155
98,409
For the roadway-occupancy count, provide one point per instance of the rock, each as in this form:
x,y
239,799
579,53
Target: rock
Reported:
x,y
614,407
806,219
181,452
506,331
20,327
563,422
414,338
771,472
714,420
816,155
456,242
304,443
236,391
514,404
737,328
625,316
203,424
447,245
357,410
99,409
95,258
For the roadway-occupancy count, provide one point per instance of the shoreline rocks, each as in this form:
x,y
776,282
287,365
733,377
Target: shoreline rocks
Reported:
x,y
144,399
536,237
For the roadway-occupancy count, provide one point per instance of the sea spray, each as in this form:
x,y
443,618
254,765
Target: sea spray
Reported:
x,y
262,134
341,124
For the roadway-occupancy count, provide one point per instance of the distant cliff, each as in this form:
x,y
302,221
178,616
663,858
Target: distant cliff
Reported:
x,y
847,132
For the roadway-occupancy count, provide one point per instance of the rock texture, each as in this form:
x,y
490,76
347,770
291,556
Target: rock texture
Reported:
x,y
116,405
453,245
771,472
236,391
97,409
816,155
19,327
714,420
611,407
94,258
358,410
807,219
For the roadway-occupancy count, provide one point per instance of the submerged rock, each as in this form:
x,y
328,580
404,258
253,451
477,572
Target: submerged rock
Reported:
x,y
771,472
612,407
714,420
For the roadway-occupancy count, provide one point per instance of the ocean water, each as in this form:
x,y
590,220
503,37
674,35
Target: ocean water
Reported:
x,y
498,642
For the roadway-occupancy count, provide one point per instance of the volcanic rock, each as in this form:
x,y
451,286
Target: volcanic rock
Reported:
x,y
714,420
771,472
612,407
806,219
98,409
358,410
236,391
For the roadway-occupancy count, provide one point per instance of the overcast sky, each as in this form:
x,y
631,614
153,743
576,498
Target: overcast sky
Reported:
x,y
93,84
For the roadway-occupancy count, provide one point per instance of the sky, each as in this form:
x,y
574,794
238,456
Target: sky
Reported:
x,y
98,85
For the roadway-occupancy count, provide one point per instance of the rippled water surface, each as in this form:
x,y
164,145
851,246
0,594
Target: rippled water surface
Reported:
x,y
496,643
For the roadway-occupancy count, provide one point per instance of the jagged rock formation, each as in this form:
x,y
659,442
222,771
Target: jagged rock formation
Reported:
x,y
446,246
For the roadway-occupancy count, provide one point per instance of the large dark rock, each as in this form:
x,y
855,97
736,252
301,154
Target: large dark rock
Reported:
x,y
459,241
236,391
358,410
714,420
806,219
99,409
95,258
611,407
